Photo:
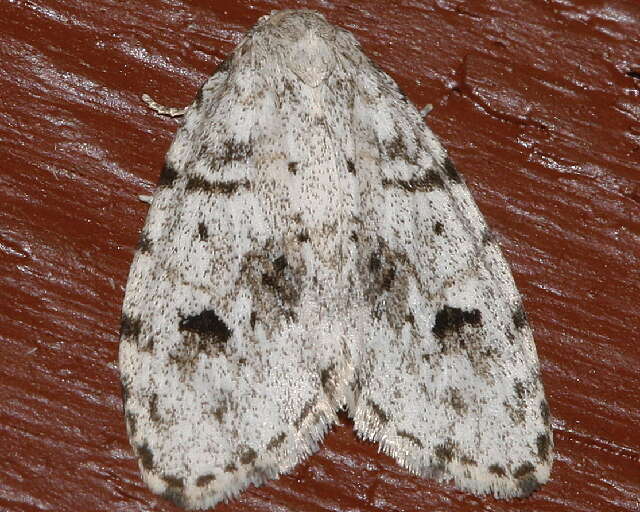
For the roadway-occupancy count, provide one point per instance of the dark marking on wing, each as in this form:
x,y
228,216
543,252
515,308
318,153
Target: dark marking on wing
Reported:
x,y
303,236
378,411
527,481
124,387
198,183
396,148
353,237
544,412
469,461
306,410
427,182
132,425
230,468
351,168
173,481
293,167
130,326
220,411
543,443
284,284
168,176
208,325
410,319
235,151
450,320
519,317
487,237
203,232
248,456
145,455
145,245
445,452
456,401
153,408
276,441
497,469
327,378
175,496
384,278
451,171
204,480
438,228
410,437
252,319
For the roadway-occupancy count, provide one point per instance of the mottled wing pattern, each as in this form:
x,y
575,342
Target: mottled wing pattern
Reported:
x,y
230,358
450,382
310,246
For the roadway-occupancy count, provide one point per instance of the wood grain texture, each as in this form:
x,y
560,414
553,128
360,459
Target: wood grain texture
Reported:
x,y
539,106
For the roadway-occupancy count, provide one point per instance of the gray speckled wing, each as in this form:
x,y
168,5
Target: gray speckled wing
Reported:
x,y
309,247
450,382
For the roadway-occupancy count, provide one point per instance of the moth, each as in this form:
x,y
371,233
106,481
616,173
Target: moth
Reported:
x,y
310,247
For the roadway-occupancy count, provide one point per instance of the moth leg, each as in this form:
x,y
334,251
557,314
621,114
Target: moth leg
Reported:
x,y
162,109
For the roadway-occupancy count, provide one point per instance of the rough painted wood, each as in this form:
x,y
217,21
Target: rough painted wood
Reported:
x,y
539,105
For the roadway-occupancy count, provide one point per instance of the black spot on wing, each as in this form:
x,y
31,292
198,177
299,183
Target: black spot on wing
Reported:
x,y
203,232
293,167
351,168
303,236
450,320
168,176
130,326
230,468
519,317
451,171
145,245
208,325
252,319
438,228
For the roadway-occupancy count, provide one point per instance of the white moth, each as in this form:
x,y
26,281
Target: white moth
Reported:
x,y
311,247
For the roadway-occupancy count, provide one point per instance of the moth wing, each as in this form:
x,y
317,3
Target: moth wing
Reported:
x,y
450,382
221,347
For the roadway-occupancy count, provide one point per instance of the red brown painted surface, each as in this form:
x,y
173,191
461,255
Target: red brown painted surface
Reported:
x,y
539,105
